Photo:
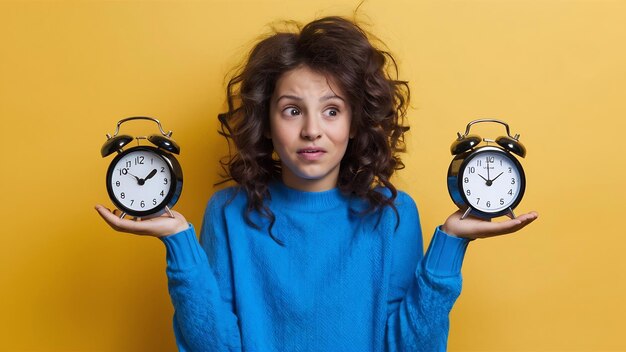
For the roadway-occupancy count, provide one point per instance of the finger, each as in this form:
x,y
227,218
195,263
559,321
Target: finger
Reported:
x,y
123,225
105,213
110,217
506,227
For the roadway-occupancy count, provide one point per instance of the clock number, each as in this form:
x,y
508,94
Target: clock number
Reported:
x,y
123,196
142,204
162,168
477,200
468,192
490,159
472,170
154,202
139,160
501,201
117,183
511,192
123,171
488,204
162,194
466,180
128,163
164,181
510,170
479,163
512,181
132,201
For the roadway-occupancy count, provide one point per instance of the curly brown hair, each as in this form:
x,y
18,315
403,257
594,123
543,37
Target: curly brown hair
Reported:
x,y
340,49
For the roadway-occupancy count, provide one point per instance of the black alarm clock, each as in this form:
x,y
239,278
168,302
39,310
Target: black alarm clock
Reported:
x,y
143,181
486,179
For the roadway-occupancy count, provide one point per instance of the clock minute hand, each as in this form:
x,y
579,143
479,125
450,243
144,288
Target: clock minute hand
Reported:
x,y
140,181
137,178
497,176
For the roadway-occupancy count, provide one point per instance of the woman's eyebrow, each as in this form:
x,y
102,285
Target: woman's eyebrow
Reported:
x,y
292,97
329,97
297,98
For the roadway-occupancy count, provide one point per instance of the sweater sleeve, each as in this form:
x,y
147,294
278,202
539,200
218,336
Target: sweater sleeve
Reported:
x,y
418,320
203,319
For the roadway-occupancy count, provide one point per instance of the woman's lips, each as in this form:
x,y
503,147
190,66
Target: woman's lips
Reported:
x,y
311,154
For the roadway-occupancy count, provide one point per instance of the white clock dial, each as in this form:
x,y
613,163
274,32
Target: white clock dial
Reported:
x,y
491,181
141,180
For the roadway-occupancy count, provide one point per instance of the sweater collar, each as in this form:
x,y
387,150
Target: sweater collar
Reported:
x,y
284,196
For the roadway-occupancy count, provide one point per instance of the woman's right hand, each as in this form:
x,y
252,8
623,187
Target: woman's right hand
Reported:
x,y
161,226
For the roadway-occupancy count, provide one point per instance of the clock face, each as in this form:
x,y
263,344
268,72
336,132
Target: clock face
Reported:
x,y
491,181
140,181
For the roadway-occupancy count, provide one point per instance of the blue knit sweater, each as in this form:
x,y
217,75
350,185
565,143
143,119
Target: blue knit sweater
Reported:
x,y
341,282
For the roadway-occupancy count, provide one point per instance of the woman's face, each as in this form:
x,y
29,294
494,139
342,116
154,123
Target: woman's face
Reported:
x,y
310,128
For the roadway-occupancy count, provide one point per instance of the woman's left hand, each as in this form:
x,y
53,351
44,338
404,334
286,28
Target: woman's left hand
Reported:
x,y
473,228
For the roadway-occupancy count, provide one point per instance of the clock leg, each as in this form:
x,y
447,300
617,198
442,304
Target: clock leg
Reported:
x,y
466,213
512,213
167,210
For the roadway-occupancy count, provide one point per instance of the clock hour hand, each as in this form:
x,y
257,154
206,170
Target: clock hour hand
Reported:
x,y
487,182
151,174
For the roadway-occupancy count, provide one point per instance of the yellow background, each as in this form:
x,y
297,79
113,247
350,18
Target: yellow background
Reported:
x,y
555,70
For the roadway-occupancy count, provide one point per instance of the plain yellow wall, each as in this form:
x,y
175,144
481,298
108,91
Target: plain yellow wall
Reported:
x,y
555,70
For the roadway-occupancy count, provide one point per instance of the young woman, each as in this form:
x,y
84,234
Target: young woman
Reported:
x,y
314,249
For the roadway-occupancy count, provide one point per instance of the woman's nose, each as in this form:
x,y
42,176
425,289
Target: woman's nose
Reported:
x,y
311,129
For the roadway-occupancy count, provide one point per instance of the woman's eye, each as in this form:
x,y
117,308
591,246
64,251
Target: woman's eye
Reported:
x,y
332,112
292,111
